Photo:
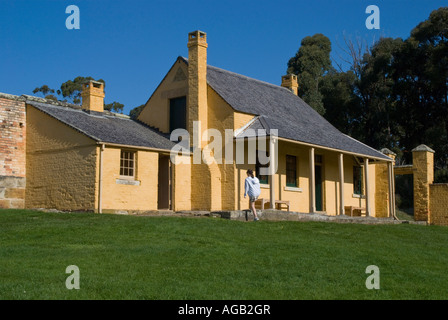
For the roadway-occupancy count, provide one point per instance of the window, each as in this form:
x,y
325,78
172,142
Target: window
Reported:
x,y
127,164
178,113
291,171
357,180
263,178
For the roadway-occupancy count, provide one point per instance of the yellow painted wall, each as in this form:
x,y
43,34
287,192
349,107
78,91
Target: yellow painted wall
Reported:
x,y
174,85
221,117
299,200
350,199
240,119
438,213
61,165
182,187
330,183
117,196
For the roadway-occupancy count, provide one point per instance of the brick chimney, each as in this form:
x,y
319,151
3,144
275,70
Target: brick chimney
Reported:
x,y
93,96
290,81
197,80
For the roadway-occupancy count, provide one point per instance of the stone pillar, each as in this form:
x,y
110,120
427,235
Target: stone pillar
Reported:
x,y
423,166
341,184
366,184
272,165
383,186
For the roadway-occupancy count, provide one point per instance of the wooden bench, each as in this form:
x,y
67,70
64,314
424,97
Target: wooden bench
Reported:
x,y
354,211
259,203
278,204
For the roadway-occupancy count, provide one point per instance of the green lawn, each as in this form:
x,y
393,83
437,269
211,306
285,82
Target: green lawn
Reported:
x,y
128,257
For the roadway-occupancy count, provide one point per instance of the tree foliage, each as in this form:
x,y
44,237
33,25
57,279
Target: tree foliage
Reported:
x,y
114,106
134,113
311,62
70,91
395,93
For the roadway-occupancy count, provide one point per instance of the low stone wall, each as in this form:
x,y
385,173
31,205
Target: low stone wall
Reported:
x,y
12,192
438,214
279,215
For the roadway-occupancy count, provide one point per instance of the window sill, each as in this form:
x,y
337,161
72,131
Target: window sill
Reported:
x,y
294,189
127,181
264,186
358,196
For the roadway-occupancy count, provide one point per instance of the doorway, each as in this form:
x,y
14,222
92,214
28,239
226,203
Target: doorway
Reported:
x,y
164,201
318,187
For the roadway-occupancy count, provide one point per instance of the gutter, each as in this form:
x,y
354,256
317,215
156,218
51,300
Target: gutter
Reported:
x,y
337,150
163,151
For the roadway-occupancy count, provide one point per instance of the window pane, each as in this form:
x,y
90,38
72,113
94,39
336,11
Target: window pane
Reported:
x,y
127,164
357,180
264,179
178,114
291,171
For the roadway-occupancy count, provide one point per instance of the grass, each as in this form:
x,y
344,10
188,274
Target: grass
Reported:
x,y
127,257
405,214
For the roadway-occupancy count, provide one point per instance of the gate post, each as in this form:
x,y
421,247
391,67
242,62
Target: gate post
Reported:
x,y
423,165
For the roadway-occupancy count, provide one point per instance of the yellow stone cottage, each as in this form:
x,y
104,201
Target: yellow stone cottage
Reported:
x,y
86,158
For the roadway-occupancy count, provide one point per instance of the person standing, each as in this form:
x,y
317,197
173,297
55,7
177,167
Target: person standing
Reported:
x,y
252,189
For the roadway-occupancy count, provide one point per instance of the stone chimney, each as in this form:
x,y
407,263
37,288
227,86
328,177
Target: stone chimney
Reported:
x,y
93,96
197,81
290,81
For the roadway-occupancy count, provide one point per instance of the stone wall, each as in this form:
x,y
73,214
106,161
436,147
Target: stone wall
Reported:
x,y
61,165
438,204
12,151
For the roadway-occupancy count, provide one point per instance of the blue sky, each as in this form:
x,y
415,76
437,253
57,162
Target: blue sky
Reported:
x,y
132,44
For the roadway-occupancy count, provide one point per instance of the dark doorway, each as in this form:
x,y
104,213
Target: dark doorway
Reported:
x,y
404,196
318,187
164,185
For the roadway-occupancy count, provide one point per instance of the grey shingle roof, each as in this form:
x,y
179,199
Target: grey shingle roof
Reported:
x,y
282,110
107,128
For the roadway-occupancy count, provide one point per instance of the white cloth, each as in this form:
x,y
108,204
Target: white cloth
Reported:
x,y
252,187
